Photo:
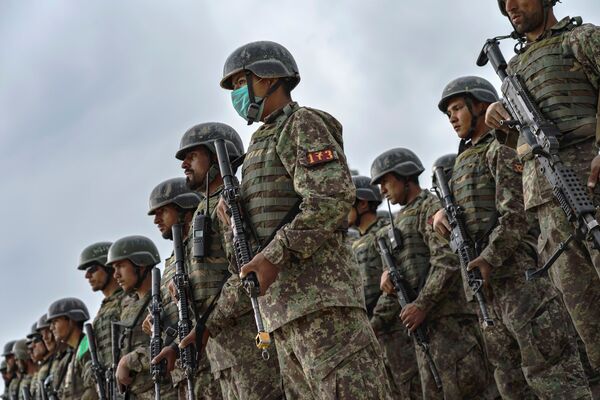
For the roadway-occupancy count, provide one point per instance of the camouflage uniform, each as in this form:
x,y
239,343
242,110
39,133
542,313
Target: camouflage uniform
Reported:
x,y
134,347
38,379
58,369
399,357
315,308
567,54
235,360
205,385
14,388
73,386
529,336
431,270
25,383
110,311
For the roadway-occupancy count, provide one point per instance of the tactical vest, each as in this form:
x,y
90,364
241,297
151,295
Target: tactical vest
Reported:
x,y
110,311
413,252
370,264
132,337
474,187
557,83
267,189
25,383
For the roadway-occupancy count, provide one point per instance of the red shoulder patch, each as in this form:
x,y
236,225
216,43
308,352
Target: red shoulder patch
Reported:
x,y
518,167
320,157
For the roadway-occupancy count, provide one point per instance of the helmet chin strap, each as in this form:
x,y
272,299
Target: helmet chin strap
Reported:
x,y
107,278
141,276
254,107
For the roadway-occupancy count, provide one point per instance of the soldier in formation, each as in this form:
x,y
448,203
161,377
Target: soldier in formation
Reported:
x,y
334,326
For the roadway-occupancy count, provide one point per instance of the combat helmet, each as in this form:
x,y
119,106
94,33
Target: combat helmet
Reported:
x,y
8,348
205,134
173,191
69,307
545,4
402,161
264,59
365,190
140,250
20,350
477,87
33,333
94,254
446,162
42,322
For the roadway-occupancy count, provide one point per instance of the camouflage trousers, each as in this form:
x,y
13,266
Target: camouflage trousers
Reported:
x,y
532,346
252,379
575,272
331,354
457,349
401,363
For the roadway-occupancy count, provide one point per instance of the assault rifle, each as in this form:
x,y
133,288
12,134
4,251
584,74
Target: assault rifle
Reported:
x,y
26,393
461,243
184,325
242,250
156,344
97,369
404,298
111,382
542,136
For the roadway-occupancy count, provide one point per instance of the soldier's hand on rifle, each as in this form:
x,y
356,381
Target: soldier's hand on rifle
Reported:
x,y
173,291
441,224
594,173
191,339
266,272
386,284
123,374
496,113
168,353
412,316
147,325
223,212
484,267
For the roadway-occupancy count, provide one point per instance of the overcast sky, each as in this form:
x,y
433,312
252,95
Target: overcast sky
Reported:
x,y
95,96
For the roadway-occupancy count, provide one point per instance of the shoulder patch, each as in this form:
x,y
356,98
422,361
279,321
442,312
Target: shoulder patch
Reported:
x,y
83,348
313,158
517,167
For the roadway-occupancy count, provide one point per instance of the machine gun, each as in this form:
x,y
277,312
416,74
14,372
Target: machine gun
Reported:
x,y
461,243
98,370
184,325
242,250
542,136
404,298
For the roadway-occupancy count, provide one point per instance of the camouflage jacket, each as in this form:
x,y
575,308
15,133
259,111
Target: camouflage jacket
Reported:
x,y
426,261
487,181
561,70
14,388
296,157
73,386
231,323
110,311
58,369
39,377
25,384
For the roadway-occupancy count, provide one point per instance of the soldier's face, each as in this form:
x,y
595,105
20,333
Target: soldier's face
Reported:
x,y
164,218
125,274
48,339
393,189
96,276
61,328
352,217
195,166
5,375
459,116
525,15
11,363
38,350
